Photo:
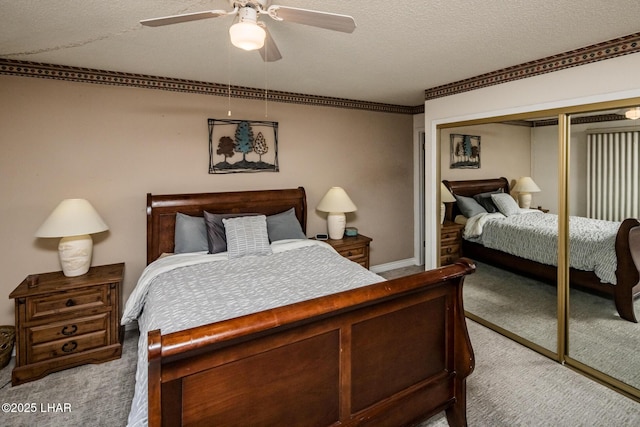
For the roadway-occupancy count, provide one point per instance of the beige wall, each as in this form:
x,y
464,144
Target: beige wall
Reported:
x,y
505,150
112,145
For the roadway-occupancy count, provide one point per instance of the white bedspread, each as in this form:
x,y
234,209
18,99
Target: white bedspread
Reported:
x,y
189,290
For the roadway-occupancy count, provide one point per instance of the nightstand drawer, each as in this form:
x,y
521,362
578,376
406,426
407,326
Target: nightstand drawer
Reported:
x,y
450,235
450,249
67,302
68,346
354,248
352,252
448,259
68,329
450,242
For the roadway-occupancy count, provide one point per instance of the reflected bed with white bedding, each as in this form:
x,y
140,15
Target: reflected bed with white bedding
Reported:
x,y
533,235
247,322
498,232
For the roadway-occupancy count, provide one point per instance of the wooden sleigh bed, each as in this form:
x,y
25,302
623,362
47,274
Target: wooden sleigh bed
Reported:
x,y
392,353
627,273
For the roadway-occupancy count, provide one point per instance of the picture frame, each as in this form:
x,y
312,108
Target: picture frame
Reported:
x,y
465,151
252,144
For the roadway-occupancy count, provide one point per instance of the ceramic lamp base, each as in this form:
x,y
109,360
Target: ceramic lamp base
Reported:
x,y
524,200
75,254
336,222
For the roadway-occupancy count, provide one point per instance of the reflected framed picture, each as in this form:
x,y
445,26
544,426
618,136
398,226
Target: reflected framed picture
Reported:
x,y
465,151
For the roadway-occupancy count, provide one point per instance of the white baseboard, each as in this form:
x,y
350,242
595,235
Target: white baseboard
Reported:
x,y
409,262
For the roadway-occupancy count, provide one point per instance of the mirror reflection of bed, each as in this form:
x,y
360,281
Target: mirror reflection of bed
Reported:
x,y
498,295
525,307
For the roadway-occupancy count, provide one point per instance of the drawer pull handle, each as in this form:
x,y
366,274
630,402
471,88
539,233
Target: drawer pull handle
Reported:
x,y
69,330
349,253
70,303
449,250
69,346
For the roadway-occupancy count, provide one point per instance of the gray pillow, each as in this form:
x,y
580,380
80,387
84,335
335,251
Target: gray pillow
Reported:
x,y
216,237
484,199
468,206
284,225
247,235
506,204
190,234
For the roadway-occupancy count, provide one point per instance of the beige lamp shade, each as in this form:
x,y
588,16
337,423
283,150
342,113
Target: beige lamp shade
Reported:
x,y
73,220
445,197
524,187
336,202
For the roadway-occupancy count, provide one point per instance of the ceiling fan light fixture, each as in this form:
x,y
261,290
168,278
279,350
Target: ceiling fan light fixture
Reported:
x,y
247,36
632,113
246,33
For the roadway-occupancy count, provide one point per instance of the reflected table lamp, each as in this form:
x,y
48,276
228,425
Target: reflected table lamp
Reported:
x,y
525,186
336,202
445,197
73,220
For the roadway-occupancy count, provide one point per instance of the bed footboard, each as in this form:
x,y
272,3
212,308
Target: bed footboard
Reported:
x,y
388,354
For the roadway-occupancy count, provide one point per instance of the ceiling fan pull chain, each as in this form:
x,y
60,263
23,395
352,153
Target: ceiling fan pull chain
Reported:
x,y
229,78
266,96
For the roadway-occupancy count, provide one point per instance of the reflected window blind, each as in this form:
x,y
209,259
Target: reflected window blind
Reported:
x,y
613,160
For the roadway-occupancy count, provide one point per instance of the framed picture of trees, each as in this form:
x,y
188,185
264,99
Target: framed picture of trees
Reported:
x,y
465,151
242,146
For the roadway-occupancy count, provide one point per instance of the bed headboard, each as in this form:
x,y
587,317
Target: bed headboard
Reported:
x,y
472,187
162,209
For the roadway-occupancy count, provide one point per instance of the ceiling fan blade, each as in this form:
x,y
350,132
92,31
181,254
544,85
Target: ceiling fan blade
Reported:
x,y
187,17
269,51
314,18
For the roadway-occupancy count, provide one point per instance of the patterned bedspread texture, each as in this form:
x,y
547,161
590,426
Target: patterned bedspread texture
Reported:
x,y
534,236
188,290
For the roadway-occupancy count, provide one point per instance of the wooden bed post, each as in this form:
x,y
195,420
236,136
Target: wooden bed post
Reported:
x,y
155,384
464,357
627,276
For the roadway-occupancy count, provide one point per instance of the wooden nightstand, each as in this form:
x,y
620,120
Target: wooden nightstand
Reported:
x,y
354,248
450,242
62,322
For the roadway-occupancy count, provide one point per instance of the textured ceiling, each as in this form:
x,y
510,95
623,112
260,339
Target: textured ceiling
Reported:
x,y
396,52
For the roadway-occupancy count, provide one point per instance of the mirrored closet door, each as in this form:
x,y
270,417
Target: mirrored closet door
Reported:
x,y
503,292
604,200
584,161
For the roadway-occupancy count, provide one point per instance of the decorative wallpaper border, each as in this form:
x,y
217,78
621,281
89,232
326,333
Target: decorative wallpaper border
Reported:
x,y
598,52
586,55
599,118
89,75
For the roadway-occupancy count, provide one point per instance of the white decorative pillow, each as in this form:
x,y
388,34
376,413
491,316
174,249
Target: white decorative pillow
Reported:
x,y
506,204
247,235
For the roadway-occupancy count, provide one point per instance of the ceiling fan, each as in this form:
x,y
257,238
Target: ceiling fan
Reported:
x,y
250,34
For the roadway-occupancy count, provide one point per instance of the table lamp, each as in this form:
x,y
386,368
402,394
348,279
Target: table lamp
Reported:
x,y
73,220
336,202
445,197
525,186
